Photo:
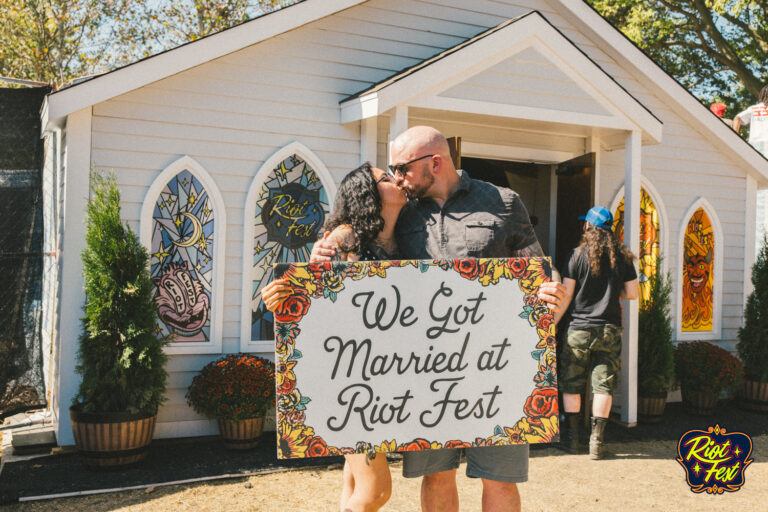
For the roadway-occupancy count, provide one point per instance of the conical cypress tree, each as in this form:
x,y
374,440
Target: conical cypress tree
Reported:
x,y
121,360
655,353
753,337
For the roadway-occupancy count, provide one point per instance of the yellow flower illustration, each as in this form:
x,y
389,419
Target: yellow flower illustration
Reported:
x,y
299,276
387,446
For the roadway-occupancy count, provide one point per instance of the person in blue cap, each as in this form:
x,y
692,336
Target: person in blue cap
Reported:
x,y
599,272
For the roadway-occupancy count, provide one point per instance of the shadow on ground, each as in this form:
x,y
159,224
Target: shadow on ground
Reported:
x,y
182,459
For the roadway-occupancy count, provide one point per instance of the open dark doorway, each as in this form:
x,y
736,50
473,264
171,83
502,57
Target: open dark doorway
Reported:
x,y
530,180
575,193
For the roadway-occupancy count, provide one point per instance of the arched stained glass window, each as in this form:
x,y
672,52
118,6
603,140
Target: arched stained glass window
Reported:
x,y
291,206
698,274
181,259
649,239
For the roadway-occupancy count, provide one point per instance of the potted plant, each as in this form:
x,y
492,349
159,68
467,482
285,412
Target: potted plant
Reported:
x,y
120,358
236,390
655,353
753,337
704,371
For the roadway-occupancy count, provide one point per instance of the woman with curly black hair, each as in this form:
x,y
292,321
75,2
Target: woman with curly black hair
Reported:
x,y
362,227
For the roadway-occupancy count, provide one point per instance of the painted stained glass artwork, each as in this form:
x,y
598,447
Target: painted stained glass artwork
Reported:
x,y
181,259
698,269
290,211
649,239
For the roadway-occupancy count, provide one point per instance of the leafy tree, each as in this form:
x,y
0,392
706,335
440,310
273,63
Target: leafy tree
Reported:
x,y
753,337
120,358
55,41
716,48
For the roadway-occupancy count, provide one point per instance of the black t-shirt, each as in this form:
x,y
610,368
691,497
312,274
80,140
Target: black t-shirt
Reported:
x,y
596,298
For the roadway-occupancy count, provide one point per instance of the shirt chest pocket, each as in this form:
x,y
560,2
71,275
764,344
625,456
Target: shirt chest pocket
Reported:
x,y
479,236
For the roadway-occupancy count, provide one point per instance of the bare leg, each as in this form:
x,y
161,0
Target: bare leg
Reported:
x,y
601,405
347,486
439,492
500,496
372,483
571,402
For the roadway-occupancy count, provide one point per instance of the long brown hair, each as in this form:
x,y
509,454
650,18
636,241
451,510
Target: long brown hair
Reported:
x,y
599,243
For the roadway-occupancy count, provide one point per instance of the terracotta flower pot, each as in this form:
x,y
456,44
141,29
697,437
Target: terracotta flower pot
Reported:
x,y
113,439
650,407
241,434
754,396
699,402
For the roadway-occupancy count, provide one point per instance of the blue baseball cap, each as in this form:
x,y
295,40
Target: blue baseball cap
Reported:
x,y
599,216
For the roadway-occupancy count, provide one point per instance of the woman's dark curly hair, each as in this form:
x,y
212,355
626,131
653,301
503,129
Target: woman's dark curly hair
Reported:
x,y
358,205
601,244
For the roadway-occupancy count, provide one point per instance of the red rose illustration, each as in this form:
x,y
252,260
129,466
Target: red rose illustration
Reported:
x,y
317,448
544,322
469,269
293,308
287,386
416,444
542,403
456,444
517,267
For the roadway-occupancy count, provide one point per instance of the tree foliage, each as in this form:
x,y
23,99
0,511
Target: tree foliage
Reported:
x,y
655,352
753,337
120,358
718,49
55,41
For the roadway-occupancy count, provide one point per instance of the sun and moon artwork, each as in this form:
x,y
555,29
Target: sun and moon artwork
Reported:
x,y
181,259
698,270
290,211
649,239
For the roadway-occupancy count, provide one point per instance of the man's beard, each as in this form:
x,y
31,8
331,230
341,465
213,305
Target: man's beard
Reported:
x,y
417,191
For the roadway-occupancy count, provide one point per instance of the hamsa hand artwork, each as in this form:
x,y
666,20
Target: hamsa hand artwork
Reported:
x,y
413,355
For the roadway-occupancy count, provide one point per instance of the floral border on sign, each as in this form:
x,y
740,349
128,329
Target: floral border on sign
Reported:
x,y
326,281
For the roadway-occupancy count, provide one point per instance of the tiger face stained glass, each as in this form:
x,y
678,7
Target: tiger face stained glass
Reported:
x,y
290,211
181,259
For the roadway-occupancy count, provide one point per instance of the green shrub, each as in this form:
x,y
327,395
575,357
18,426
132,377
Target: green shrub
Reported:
x,y
655,352
120,358
753,337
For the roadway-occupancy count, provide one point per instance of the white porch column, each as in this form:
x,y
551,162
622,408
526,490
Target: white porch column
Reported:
x,y
751,240
72,296
368,140
398,123
632,164
593,146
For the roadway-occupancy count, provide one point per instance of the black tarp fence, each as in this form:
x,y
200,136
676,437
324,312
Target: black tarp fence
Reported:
x,y
21,244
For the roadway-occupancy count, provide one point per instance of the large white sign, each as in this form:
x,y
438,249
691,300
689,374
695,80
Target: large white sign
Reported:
x,y
407,355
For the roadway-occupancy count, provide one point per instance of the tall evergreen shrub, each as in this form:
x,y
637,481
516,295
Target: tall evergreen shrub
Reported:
x,y
753,337
120,358
656,354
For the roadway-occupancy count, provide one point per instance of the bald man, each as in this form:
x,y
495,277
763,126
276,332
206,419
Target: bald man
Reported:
x,y
455,216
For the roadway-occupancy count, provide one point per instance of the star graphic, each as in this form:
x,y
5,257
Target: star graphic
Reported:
x,y
161,253
737,451
203,243
178,221
198,266
191,199
157,329
265,265
258,248
696,469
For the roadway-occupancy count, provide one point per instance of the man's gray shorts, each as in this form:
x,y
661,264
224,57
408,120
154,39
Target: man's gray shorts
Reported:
x,y
498,463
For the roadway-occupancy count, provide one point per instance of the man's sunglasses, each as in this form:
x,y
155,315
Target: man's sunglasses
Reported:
x,y
402,169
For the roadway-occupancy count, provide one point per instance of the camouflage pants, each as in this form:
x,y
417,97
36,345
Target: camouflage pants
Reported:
x,y
598,348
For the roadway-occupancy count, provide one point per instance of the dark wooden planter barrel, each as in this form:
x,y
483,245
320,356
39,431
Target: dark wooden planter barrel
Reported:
x,y
754,396
241,434
107,439
650,407
699,402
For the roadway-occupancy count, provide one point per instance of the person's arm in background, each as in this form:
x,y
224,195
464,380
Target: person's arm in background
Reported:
x,y
631,290
736,124
570,288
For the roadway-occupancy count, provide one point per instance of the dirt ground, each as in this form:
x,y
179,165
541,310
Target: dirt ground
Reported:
x,y
639,476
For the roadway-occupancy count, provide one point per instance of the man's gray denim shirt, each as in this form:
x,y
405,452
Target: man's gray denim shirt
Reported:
x,y
479,220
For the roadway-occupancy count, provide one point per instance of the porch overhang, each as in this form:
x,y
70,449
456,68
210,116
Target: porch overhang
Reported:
x,y
523,69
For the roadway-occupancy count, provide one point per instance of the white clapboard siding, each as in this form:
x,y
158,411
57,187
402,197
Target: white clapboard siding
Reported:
x,y
233,113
